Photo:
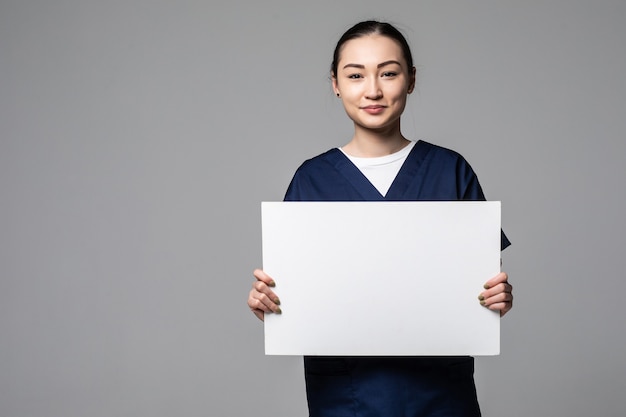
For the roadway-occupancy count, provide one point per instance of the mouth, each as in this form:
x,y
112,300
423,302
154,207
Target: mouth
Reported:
x,y
374,108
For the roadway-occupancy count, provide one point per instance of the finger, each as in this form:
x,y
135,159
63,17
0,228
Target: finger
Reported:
x,y
260,301
261,309
501,277
503,308
262,288
503,287
260,275
498,298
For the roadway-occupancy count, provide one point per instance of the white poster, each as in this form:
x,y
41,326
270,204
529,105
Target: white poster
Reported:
x,y
381,278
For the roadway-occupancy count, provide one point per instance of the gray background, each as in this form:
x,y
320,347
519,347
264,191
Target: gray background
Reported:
x,y
138,138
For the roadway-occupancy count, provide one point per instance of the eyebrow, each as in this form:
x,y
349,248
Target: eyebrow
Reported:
x,y
382,64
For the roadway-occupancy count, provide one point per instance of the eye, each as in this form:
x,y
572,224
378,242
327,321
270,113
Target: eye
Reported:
x,y
389,74
354,76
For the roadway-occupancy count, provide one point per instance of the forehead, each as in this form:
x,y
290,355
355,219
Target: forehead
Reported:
x,y
370,49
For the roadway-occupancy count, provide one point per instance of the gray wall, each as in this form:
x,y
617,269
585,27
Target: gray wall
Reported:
x,y
138,138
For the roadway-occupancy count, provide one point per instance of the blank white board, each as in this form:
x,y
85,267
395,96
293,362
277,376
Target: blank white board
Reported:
x,y
381,278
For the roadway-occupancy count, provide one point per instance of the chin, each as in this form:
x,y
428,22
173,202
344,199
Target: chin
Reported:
x,y
379,125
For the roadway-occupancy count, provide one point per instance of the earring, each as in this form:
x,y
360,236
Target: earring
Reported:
x,y
338,95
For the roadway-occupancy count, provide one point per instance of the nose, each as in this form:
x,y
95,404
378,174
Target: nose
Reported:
x,y
373,91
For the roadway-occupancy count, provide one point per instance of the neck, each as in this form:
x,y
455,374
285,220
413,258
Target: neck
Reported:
x,y
368,143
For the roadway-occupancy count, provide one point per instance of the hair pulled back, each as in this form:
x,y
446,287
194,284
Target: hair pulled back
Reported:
x,y
372,27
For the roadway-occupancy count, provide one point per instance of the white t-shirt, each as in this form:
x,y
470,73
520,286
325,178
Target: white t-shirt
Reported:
x,y
381,170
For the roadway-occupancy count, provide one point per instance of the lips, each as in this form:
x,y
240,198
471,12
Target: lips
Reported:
x,y
374,109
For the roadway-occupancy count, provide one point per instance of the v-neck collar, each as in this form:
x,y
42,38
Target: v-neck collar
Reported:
x,y
409,173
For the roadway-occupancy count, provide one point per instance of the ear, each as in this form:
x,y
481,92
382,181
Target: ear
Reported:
x,y
336,91
412,76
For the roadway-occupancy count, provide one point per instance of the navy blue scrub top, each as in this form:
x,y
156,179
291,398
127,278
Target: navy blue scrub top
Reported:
x,y
430,173
390,386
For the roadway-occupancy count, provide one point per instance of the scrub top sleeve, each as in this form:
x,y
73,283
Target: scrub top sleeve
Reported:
x,y
504,241
297,187
471,190
467,180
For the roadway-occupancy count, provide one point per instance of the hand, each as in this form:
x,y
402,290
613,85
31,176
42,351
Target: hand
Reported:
x,y
498,294
262,299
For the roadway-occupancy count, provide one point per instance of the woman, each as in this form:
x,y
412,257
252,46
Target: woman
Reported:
x,y
372,73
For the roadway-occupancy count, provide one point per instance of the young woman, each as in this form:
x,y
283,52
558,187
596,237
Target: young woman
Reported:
x,y
372,73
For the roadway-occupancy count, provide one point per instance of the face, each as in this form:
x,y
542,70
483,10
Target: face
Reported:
x,y
373,82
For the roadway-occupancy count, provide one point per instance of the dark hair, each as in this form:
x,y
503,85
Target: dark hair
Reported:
x,y
372,27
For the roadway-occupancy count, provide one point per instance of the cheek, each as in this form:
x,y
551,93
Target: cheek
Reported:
x,y
400,95
349,95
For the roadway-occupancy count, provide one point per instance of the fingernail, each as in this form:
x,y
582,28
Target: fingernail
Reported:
x,y
482,302
277,301
481,297
486,286
272,283
279,311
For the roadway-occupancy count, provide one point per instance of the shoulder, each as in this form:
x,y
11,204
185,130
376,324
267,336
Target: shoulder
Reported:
x,y
438,159
320,161
436,151
322,165
315,177
445,172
